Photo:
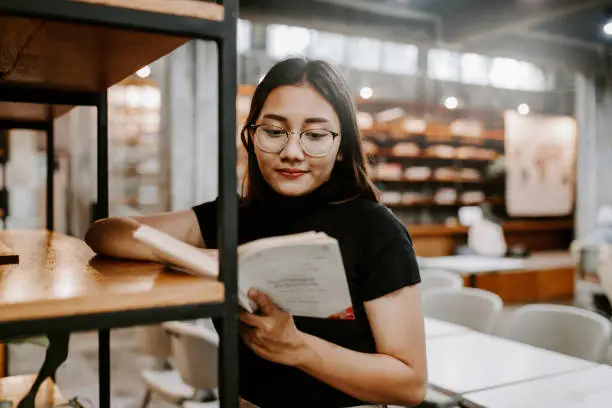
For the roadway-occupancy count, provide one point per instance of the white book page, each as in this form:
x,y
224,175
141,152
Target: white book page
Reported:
x,y
263,244
178,254
305,279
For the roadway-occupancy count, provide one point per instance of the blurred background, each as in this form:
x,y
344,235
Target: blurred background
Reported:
x,y
468,109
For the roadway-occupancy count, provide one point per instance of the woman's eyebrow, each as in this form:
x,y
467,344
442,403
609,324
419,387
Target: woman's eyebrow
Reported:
x,y
275,117
283,119
316,120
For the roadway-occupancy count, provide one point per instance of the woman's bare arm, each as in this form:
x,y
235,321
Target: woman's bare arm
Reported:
x,y
396,374
113,236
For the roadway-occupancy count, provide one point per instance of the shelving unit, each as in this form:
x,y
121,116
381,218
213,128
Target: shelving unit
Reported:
x,y
57,54
428,159
135,146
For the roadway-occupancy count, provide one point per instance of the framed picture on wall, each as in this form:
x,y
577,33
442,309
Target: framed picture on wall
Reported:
x,y
540,165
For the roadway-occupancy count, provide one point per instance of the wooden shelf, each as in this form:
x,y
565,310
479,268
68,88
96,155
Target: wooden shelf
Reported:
x,y
387,153
492,200
523,226
430,180
59,275
442,240
189,8
16,387
81,57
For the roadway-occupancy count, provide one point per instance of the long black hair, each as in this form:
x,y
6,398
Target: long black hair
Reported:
x,y
329,83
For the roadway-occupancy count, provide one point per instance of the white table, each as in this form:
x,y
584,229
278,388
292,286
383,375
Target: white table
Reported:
x,y
589,388
475,361
436,328
467,264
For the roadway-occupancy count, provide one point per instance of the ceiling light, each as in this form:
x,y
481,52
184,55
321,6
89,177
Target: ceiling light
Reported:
x,y
366,92
607,28
144,72
451,102
523,109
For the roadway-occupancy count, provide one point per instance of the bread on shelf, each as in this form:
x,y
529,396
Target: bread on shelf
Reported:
x,y
466,152
445,196
389,171
474,152
446,174
441,150
406,149
415,126
417,173
468,174
466,127
365,120
390,197
472,197
413,198
369,148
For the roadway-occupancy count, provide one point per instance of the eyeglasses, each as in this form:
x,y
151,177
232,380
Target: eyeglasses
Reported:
x,y
273,139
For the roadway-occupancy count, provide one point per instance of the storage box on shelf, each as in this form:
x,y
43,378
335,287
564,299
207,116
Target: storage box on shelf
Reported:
x,y
62,53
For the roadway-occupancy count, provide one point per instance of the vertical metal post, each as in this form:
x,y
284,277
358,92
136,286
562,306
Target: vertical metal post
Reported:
x,y
5,359
102,212
50,172
228,210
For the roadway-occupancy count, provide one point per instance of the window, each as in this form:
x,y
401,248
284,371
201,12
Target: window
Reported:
x,y
512,74
531,78
400,58
364,54
282,41
443,65
474,69
504,73
243,36
329,47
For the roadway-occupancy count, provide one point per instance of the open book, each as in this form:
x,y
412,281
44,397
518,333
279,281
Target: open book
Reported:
x,y
303,274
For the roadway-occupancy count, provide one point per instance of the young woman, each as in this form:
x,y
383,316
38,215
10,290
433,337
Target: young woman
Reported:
x,y
306,171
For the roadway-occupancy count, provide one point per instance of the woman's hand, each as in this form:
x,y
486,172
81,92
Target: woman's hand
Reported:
x,y
272,335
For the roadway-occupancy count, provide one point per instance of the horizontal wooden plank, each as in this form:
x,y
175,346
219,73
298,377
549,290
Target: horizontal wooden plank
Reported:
x,y
419,230
60,275
190,8
31,111
68,56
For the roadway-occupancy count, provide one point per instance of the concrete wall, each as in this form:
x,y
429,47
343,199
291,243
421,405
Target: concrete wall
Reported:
x,y
594,161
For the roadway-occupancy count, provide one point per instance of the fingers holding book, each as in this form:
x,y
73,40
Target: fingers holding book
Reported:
x,y
272,335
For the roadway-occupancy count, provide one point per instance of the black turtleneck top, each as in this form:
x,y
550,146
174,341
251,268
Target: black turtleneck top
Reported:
x,y
378,259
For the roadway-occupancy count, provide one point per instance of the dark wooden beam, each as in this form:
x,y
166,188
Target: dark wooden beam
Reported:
x,y
494,20
330,17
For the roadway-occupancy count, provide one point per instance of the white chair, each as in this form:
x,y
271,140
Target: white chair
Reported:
x,y
469,307
565,329
194,348
438,278
154,341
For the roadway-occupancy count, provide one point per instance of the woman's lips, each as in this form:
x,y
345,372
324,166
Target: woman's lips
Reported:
x,y
291,174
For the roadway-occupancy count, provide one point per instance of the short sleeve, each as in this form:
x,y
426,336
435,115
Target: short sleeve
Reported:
x,y
390,261
206,213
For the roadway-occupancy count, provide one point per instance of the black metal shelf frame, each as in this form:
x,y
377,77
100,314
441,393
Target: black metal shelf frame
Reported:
x,y
224,34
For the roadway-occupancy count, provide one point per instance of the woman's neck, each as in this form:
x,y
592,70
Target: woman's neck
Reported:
x,y
333,191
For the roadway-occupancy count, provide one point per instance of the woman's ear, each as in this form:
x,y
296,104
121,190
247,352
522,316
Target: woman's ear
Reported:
x,y
339,156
